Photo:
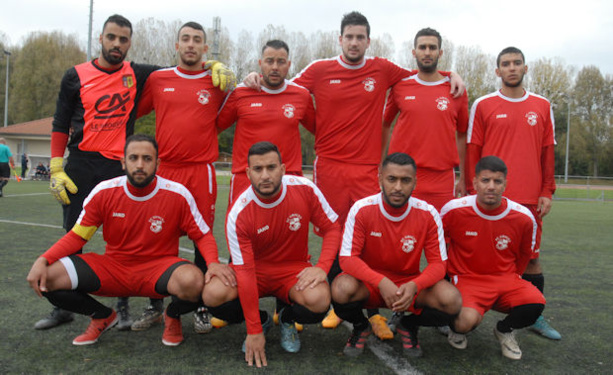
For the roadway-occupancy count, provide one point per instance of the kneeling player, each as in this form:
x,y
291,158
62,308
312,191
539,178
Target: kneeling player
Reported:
x,y
267,231
491,240
382,245
143,217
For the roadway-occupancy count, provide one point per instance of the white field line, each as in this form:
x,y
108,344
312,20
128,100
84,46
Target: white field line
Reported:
x,y
388,355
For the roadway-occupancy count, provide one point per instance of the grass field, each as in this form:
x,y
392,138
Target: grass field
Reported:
x,y
577,259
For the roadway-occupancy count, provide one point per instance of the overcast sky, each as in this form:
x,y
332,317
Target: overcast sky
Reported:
x,y
579,32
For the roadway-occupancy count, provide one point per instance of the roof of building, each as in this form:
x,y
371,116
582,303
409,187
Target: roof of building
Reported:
x,y
40,127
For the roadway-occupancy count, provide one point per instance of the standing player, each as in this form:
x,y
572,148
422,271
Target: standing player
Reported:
x,y
272,114
186,104
267,231
380,255
432,124
518,127
6,163
143,217
491,240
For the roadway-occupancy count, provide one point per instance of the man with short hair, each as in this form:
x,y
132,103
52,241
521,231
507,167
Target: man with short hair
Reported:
x,y
272,114
267,232
491,240
186,104
6,163
143,216
380,255
431,125
518,127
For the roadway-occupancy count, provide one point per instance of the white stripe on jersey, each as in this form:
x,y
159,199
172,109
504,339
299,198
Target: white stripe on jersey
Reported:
x,y
473,110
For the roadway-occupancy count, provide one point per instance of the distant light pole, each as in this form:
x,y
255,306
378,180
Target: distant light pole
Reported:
x,y
6,94
567,140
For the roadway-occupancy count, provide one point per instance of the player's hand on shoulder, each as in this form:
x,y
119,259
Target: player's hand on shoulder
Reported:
x,y
406,293
255,350
457,85
253,81
222,76
388,290
310,277
37,277
223,271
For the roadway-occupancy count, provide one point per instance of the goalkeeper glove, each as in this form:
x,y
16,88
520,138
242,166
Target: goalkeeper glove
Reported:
x,y
59,181
223,77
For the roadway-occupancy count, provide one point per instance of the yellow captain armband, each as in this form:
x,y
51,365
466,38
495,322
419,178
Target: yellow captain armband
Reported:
x,y
85,233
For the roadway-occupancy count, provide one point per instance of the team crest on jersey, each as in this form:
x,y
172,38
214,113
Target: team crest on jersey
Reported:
x,y
532,118
369,84
203,97
156,224
128,80
408,243
288,110
442,103
502,242
294,222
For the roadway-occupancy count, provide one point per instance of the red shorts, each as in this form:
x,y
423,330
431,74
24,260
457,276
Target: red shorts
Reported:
x,y
374,295
122,278
240,182
497,292
200,180
435,187
277,280
343,184
539,229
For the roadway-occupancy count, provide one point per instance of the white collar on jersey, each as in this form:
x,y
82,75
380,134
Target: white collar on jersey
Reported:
x,y
191,76
350,66
143,198
514,100
272,204
277,91
482,214
390,217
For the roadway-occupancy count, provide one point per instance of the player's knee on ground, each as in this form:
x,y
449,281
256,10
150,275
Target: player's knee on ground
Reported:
x,y
230,311
186,282
467,320
216,293
343,288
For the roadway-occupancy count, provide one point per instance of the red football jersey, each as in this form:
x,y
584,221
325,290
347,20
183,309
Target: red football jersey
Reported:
x,y
515,130
186,105
380,240
349,100
500,241
428,121
268,115
276,232
143,226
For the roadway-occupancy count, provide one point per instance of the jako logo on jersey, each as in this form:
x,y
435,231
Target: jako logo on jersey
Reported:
x,y
369,84
288,110
128,80
263,229
256,105
294,222
472,233
442,103
504,115
502,242
335,81
156,224
169,89
203,97
410,97
408,243
376,234
119,214
108,106
532,118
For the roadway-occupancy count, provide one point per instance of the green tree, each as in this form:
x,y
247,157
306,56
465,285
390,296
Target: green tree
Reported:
x,y
592,96
38,68
477,70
